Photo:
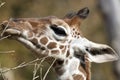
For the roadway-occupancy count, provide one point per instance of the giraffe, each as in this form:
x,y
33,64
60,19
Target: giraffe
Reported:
x,y
60,38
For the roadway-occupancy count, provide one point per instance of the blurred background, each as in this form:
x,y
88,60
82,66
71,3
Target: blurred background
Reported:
x,y
102,26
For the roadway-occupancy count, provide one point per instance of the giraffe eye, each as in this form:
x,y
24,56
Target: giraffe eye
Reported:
x,y
58,30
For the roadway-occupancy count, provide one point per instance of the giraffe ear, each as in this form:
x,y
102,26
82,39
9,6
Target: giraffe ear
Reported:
x,y
82,14
100,53
97,53
74,18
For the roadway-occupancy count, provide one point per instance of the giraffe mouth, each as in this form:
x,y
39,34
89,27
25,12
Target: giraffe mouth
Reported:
x,y
12,31
6,30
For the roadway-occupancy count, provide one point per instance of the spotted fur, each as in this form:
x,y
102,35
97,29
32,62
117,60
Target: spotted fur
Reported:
x,y
61,39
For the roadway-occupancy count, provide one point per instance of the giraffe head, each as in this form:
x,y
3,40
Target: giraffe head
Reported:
x,y
47,36
60,38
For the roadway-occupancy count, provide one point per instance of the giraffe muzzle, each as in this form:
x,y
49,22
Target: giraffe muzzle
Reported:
x,y
8,29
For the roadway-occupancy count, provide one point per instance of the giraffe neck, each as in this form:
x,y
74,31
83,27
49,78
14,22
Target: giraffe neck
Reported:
x,y
70,69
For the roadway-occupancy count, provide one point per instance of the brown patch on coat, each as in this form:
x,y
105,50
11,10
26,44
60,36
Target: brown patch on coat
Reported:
x,y
34,41
51,45
77,77
55,52
44,40
88,68
61,47
33,23
85,71
68,53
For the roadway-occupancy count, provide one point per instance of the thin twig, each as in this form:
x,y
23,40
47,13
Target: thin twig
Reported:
x,y
40,73
1,73
36,67
4,29
1,38
12,51
4,78
1,3
41,68
22,65
48,69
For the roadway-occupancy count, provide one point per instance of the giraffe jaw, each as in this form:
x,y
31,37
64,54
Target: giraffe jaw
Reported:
x,y
27,43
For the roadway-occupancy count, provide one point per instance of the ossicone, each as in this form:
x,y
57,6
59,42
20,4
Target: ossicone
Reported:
x,y
75,18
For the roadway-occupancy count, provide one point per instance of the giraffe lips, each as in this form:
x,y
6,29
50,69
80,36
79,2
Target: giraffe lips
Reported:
x,y
7,30
12,31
